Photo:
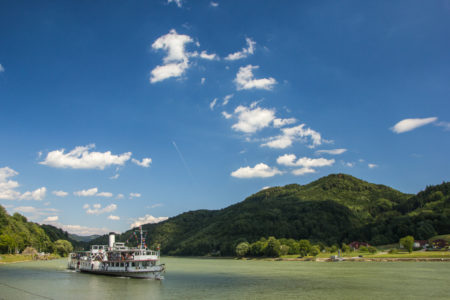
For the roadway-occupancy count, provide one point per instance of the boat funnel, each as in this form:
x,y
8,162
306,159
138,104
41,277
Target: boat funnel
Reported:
x,y
112,239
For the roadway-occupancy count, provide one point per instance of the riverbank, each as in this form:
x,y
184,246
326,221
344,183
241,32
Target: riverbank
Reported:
x,y
17,258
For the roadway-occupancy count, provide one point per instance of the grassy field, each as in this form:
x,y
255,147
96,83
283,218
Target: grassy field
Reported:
x,y
12,258
9,258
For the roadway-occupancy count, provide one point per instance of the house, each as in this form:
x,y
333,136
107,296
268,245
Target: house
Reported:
x,y
356,245
420,244
439,244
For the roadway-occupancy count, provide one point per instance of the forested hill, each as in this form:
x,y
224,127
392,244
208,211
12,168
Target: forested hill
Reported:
x,y
334,209
17,233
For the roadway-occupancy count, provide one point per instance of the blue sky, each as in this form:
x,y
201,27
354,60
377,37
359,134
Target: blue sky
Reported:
x,y
117,113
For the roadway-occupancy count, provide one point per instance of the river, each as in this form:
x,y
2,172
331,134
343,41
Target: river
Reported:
x,y
191,278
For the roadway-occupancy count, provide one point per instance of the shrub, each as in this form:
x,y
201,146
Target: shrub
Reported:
x,y
372,249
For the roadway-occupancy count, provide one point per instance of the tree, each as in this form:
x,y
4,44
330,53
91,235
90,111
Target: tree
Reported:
x,y
304,247
242,249
407,242
284,249
273,247
345,248
63,247
315,250
372,249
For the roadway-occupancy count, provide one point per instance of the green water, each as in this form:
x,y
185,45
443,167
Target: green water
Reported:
x,y
188,278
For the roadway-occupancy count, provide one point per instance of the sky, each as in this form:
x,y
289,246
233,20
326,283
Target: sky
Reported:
x,y
118,113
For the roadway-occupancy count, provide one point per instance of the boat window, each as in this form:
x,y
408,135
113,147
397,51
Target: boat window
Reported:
x,y
132,264
121,264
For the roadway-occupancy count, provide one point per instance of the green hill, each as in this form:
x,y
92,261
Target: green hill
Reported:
x,y
334,209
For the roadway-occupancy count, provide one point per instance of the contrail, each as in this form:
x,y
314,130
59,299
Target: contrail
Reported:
x,y
182,159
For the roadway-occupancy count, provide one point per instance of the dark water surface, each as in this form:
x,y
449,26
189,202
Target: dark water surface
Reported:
x,y
190,278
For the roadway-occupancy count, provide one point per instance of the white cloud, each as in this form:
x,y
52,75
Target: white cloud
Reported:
x,y
51,219
120,196
81,230
114,218
260,170
226,115
303,171
205,55
145,163
176,61
135,195
202,81
2,69
332,151
244,52
349,164
60,193
163,72
213,103
155,205
244,80
35,212
86,193
226,99
81,158
291,160
252,119
411,124
105,194
8,187
97,209
179,3
291,134
37,194
277,123
214,4
265,188
147,219
371,166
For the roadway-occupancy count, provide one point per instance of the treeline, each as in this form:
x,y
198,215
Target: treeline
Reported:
x,y
16,234
272,247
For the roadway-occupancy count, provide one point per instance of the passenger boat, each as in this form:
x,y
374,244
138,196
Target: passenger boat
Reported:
x,y
116,259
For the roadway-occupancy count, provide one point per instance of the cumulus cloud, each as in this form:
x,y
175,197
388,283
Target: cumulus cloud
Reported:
x,y
8,187
277,123
37,194
179,3
145,163
291,160
81,230
82,158
135,195
213,104
96,209
35,212
260,170
114,218
244,52
176,61
214,4
120,196
303,171
147,219
51,219
86,193
210,56
291,134
202,81
104,194
2,69
245,80
331,151
60,193
252,119
371,166
115,176
411,124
